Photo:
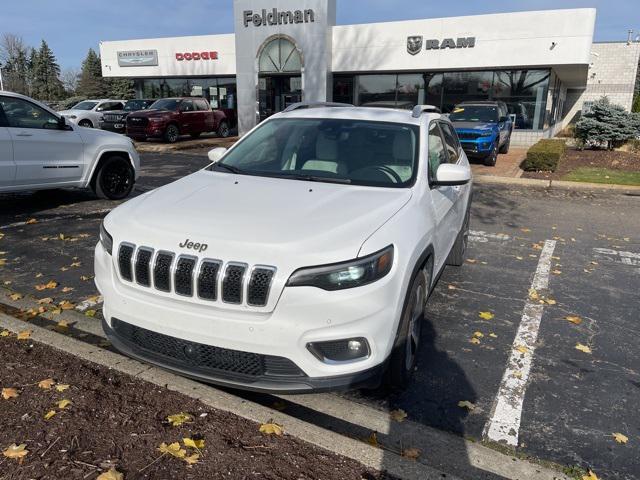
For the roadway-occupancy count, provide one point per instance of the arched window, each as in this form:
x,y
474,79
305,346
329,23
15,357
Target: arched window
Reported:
x,y
280,56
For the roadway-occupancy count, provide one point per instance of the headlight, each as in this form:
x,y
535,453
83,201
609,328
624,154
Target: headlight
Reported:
x,y
351,274
105,239
155,120
72,117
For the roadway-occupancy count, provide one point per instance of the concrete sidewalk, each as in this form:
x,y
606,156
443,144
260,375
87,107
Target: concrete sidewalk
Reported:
x,y
508,165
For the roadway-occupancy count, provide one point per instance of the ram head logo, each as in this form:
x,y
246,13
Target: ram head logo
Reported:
x,y
414,44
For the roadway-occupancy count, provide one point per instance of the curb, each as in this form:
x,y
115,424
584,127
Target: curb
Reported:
x,y
359,451
553,184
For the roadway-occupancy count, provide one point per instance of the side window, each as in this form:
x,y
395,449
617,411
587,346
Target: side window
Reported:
x,y
437,151
186,106
451,142
20,113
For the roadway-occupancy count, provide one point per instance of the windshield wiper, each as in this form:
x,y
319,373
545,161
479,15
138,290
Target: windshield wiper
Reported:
x,y
318,178
229,168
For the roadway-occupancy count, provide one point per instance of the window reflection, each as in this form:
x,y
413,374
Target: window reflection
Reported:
x,y
219,92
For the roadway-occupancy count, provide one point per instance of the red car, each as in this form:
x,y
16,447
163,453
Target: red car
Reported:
x,y
169,118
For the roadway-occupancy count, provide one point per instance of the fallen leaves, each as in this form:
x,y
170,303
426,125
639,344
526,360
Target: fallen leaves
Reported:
x,y
373,440
46,384
179,418
486,315
271,429
173,449
67,289
90,313
194,443
5,333
61,387
620,438
112,474
573,319
398,415
45,301
31,221
411,453
16,451
590,476
47,286
15,296
50,414
583,348
475,341
467,404
522,349
62,404
24,335
66,305
8,393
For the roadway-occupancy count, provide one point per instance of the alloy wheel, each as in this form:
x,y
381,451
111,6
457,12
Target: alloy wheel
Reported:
x,y
116,179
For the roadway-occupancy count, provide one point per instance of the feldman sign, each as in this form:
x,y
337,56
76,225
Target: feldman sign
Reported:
x,y
276,17
415,43
138,58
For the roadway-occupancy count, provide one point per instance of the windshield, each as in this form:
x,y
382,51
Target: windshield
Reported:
x,y
474,113
166,104
329,150
84,106
133,105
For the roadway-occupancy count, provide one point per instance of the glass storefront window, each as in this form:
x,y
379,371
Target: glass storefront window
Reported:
x,y
465,86
411,91
376,90
343,89
525,93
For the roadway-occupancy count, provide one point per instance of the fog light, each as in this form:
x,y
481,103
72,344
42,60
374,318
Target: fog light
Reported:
x,y
346,350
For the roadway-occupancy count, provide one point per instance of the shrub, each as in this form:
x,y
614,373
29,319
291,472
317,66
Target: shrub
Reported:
x,y
544,156
607,125
634,145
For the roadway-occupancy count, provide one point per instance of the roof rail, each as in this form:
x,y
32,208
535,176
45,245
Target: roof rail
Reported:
x,y
418,110
303,105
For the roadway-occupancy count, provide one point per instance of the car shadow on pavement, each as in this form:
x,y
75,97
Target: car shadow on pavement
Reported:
x,y
28,203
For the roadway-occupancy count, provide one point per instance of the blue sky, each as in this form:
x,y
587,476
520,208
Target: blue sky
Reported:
x,y
72,26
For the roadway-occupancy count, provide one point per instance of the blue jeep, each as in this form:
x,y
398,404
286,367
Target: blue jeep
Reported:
x,y
484,129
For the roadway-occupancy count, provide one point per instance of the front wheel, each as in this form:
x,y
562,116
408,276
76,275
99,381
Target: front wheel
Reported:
x,y
114,179
404,356
491,160
85,124
223,130
171,134
505,148
459,250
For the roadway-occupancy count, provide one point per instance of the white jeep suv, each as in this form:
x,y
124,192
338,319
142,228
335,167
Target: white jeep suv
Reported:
x,y
89,113
40,150
300,260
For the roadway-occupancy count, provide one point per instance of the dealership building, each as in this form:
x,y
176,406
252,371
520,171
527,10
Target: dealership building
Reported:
x,y
543,64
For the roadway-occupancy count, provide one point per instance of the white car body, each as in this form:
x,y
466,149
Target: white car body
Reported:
x,y
35,156
91,118
289,225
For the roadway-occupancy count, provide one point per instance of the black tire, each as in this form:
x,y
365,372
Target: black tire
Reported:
x,y
85,123
114,179
171,134
223,130
505,148
404,356
459,251
195,135
492,158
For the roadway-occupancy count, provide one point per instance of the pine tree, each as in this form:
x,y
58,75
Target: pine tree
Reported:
x,y
91,84
121,88
45,71
607,124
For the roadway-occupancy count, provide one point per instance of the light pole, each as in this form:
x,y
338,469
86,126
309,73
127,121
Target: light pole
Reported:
x,y
1,83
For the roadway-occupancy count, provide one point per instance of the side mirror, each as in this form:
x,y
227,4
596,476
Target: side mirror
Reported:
x,y
62,124
503,119
451,175
216,154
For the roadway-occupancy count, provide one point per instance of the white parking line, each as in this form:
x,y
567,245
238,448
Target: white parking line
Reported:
x,y
483,237
626,258
504,424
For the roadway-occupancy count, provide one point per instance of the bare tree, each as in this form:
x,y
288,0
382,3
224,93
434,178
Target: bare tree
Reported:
x,y
70,78
10,47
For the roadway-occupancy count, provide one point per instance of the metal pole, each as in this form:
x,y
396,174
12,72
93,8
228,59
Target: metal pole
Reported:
x,y
1,84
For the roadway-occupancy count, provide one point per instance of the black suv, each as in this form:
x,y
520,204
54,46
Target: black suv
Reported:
x,y
116,121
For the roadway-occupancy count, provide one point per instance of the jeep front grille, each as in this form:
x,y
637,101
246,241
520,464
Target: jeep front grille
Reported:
x,y
210,280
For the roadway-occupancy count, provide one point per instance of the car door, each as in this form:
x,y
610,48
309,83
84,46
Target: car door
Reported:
x,y
42,151
188,117
455,155
442,197
504,126
7,164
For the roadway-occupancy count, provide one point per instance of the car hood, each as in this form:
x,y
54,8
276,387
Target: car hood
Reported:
x,y
96,135
474,125
73,112
151,113
257,220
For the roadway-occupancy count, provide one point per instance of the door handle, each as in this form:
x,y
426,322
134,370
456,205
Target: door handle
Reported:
x,y
24,134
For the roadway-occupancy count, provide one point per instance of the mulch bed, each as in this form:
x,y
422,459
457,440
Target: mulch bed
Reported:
x,y
117,421
614,160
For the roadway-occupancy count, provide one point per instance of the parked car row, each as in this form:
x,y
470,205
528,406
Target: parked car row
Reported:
x,y
166,119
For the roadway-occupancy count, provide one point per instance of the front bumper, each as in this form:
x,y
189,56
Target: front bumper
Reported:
x,y
111,126
482,147
302,315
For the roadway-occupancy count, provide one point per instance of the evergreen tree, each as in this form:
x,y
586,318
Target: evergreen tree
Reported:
x,y
91,84
45,71
121,88
607,124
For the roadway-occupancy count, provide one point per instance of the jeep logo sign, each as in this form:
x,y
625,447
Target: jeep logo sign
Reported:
x,y
414,44
198,247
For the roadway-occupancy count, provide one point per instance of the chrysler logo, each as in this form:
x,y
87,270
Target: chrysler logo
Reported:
x,y
414,44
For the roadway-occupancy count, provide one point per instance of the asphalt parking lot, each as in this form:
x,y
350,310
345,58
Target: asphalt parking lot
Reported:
x,y
488,339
